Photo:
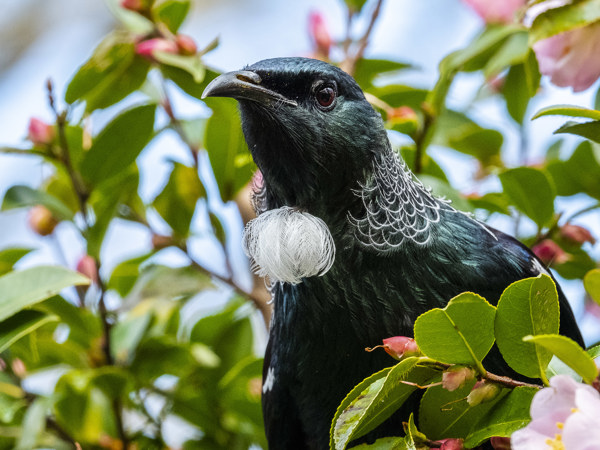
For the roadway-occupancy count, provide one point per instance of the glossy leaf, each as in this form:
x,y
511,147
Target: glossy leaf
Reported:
x,y
567,110
118,144
514,51
531,191
185,81
461,333
588,130
229,156
192,64
591,281
569,352
389,443
594,351
126,273
23,196
171,12
34,423
367,70
521,83
492,201
21,324
113,72
24,288
579,173
527,307
564,18
10,256
508,415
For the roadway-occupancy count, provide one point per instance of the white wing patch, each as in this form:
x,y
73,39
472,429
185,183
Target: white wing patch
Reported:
x,y
269,380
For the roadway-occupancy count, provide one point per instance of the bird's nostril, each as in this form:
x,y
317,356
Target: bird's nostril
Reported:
x,y
249,77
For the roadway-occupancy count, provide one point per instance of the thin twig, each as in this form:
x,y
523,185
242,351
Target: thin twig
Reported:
x,y
349,64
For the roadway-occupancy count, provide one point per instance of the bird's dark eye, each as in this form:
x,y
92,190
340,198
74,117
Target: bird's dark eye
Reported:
x,y
325,96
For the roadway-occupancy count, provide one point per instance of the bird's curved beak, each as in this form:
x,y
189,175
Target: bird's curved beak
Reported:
x,y
244,85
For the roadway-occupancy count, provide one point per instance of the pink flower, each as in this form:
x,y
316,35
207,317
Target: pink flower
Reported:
x,y
571,58
550,252
496,11
565,415
148,47
39,132
319,33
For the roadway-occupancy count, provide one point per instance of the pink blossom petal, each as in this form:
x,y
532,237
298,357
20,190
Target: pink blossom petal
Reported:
x,y
558,398
496,11
536,434
582,428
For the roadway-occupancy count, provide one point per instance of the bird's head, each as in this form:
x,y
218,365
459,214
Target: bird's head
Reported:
x,y
309,128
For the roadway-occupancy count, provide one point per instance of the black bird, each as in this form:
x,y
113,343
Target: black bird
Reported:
x,y
332,183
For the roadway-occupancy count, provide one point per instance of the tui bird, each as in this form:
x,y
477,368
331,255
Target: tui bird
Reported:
x,y
355,247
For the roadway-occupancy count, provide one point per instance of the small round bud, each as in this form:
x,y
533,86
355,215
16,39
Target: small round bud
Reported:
x,y
500,443
41,220
451,444
401,346
186,44
576,234
456,376
134,5
148,47
482,392
550,252
18,368
319,33
39,132
87,266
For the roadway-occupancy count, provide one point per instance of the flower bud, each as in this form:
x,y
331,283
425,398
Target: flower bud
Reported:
x,y
87,266
550,252
576,234
482,392
402,114
451,444
185,44
500,443
41,220
148,47
134,5
18,368
39,132
456,376
319,34
401,346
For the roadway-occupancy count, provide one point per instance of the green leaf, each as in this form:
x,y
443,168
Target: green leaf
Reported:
x,y
128,333
531,192
594,351
118,144
355,6
521,83
21,324
461,333
171,12
564,18
588,130
389,443
126,273
591,282
113,72
229,156
567,110
508,415
492,201
177,201
24,288
34,423
429,166
192,64
23,196
527,307
367,70
580,173
569,352
10,256
185,80
372,405
400,95
557,367
514,51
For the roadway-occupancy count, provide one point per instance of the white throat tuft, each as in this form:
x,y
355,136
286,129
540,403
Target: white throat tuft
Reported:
x,y
287,245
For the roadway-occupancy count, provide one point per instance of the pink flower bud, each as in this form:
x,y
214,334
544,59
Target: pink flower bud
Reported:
x,y
494,11
133,5
577,234
451,444
456,376
41,220
400,346
550,252
186,44
39,132
148,47
482,392
319,33
500,443
402,113
87,266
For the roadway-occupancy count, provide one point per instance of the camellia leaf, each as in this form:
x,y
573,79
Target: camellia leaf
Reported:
x,y
118,144
521,83
372,402
591,281
192,64
513,51
567,110
527,307
564,18
588,130
10,256
171,12
594,351
24,288
389,443
509,414
531,191
368,69
21,324
461,333
580,173
23,196
569,352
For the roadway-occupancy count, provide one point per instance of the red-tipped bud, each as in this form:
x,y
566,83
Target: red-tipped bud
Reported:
x,y
500,443
41,220
148,47
186,44
482,392
550,252
456,376
577,234
401,346
451,444
39,132
160,241
402,114
134,5
319,34
87,266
